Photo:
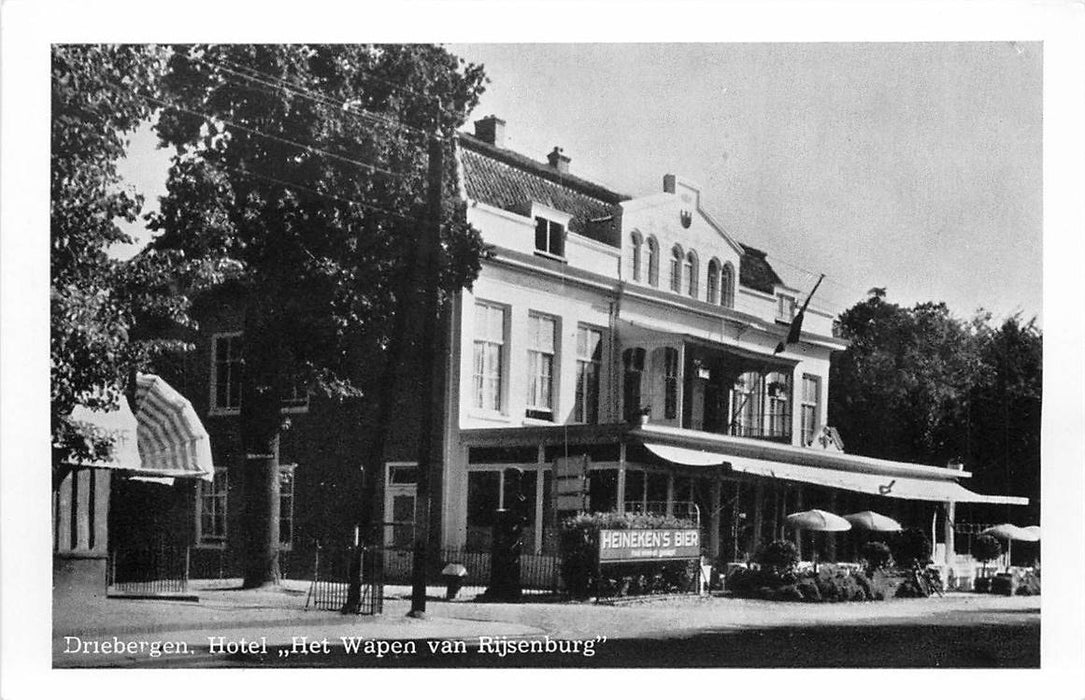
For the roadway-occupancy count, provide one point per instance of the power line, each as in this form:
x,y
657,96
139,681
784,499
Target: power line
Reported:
x,y
292,185
256,132
278,83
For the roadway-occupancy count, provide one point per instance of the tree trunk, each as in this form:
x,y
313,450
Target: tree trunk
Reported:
x,y
260,426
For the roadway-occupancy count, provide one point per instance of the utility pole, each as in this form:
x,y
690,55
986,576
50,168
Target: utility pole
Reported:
x,y
429,262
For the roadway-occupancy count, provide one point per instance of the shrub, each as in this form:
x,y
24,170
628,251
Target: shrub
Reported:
x,y
982,584
910,548
1030,584
986,548
876,555
1002,585
580,548
779,555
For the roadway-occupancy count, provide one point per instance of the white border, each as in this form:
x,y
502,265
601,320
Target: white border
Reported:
x,y
28,28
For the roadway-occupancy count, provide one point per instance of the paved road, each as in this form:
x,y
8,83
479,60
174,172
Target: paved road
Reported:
x,y
952,632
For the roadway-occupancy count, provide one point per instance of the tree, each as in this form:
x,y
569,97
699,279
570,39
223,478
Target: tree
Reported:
x,y
900,390
920,385
108,317
307,166
985,549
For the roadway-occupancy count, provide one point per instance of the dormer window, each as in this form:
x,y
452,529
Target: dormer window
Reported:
x,y
549,237
785,308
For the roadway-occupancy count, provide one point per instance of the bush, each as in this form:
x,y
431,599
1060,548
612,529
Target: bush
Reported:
x,y
580,549
1030,584
910,548
1002,585
982,584
876,555
779,555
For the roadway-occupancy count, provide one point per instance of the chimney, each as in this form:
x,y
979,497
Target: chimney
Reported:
x,y
491,130
558,160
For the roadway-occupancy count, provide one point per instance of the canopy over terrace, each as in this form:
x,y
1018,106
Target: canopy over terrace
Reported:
x,y
824,468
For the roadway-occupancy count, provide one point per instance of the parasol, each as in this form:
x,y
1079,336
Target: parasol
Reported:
x,y
1010,532
817,521
875,522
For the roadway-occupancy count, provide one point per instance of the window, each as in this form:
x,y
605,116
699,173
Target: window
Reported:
x,y
636,248
227,353
653,262
670,383
676,269
540,366
286,505
811,397
211,510
226,363
692,274
785,308
589,360
549,237
713,284
633,368
777,405
489,350
746,405
727,286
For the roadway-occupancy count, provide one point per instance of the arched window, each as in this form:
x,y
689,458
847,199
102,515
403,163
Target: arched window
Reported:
x,y
676,269
692,274
636,242
727,286
653,262
713,281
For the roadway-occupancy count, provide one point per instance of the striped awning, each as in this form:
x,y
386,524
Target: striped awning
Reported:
x,y
172,440
163,438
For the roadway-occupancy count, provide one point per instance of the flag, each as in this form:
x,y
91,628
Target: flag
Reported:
x,y
795,330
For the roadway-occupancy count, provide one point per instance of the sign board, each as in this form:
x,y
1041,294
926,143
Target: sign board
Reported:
x,y
571,481
641,545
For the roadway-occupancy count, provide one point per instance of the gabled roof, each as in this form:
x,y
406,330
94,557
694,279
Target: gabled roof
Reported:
x,y
507,180
755,272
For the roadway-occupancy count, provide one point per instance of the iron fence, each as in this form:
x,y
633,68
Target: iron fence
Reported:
x,y
332,573
155,570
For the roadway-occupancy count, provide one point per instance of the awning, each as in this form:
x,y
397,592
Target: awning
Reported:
x,y
164,438
906,488
684,455
894,485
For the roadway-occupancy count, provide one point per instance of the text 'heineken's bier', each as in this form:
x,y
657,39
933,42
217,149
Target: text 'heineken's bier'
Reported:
x,y
635,545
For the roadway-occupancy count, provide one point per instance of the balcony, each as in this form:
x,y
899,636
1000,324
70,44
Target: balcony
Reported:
x,y
700,385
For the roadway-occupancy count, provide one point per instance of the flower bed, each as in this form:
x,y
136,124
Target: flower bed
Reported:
x,y
831,584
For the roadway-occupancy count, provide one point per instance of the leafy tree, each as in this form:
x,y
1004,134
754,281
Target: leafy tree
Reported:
x,y
108,317
986,548
307,166
920,385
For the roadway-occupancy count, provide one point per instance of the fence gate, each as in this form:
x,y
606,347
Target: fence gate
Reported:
x,y
333,570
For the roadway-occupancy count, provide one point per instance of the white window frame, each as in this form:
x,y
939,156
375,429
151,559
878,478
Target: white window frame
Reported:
x,y
653,261
213,541
536,409
502,360
637,243
712,282
813,406
785,307
692,273
678,261
582,362
727,285
215,408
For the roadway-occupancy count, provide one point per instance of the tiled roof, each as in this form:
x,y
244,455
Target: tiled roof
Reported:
x,y
755,272
507,180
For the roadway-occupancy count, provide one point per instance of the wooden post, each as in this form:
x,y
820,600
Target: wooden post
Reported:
x,y
715,494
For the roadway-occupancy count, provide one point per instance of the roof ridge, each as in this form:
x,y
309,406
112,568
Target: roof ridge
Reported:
x,y
543,170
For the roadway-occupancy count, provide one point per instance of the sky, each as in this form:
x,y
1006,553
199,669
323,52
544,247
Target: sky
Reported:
x,y
910,166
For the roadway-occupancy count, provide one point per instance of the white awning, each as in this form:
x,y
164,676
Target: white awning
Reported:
x,y
164,438
890,485
684,455
906,488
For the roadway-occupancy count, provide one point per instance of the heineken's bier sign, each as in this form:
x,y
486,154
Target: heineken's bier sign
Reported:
x,y
638,545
